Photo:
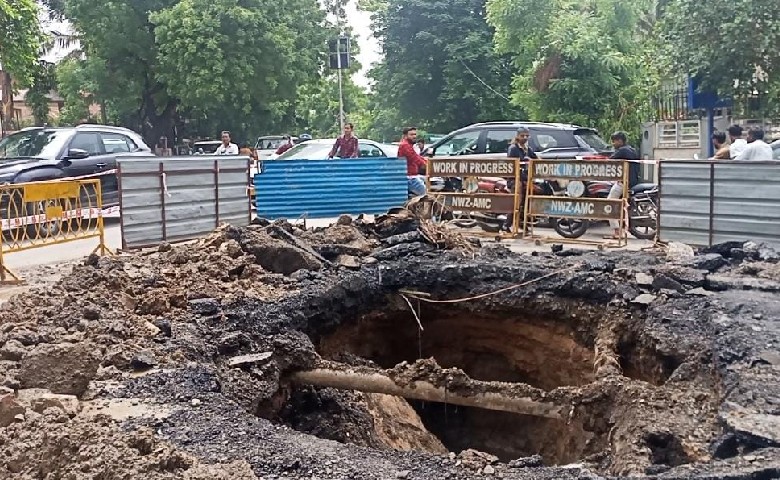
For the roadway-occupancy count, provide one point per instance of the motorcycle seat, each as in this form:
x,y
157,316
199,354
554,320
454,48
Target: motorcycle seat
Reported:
x,y
642,187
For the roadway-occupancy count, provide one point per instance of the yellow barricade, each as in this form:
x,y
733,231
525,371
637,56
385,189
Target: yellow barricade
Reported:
x,y
35,215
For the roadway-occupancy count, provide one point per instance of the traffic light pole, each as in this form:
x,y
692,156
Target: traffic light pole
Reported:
x,y
341,90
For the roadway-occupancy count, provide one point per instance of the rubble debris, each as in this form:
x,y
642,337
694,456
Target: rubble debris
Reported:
x,y
251,358
682,387
143,361
644,299
10,409
60,367
679,252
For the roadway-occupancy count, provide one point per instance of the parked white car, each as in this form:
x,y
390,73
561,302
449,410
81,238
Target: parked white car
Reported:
x,y
268,145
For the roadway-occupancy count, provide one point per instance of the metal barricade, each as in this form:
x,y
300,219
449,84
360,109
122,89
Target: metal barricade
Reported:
x,y
38,214
470,199
576,205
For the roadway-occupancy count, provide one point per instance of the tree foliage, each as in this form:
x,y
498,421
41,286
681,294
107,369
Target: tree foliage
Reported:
x,y
20,38
198,65
732,46
577,62
440,70
246,57
37,97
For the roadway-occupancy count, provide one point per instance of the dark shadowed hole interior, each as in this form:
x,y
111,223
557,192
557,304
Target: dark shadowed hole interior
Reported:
x,y
510,348
543,352
506,435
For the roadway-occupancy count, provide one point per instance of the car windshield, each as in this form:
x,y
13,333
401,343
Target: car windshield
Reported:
x,y
593,140
776,151
207,147
307,151
269,143
33,143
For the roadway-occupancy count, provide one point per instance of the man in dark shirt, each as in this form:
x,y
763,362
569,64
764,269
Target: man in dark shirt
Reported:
x,y
519,149
623,151
346,145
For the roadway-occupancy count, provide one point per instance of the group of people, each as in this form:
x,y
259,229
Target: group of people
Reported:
x,y
738,148
519,148
410,148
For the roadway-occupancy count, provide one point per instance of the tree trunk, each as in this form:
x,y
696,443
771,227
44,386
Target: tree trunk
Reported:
x,y
6,84
378,381
156,125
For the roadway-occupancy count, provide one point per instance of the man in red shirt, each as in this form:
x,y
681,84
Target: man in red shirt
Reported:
x,y
415,164
346,145
288,144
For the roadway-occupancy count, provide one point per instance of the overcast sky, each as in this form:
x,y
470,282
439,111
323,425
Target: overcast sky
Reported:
x,y
369,48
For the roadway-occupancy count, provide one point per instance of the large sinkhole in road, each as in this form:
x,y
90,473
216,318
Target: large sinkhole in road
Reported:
x,y
514,346
546,346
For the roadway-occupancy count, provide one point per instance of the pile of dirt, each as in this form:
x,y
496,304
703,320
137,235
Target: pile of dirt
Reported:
x,y
134,311
62,442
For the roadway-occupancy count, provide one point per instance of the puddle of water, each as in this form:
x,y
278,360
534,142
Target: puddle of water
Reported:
x,y
123,409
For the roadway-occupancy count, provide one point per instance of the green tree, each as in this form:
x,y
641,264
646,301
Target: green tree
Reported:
x,y
577,62
118,41
37,97
198,65
20,43
76,84
732,46
248,57
440,70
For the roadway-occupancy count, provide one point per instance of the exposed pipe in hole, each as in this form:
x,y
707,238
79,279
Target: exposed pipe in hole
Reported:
x,y
377,381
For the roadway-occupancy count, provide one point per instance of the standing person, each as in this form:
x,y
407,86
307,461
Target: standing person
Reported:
x,y
722,149
286,145
519,148
623,151
414,162
421,146
346,146
245,150
757,149
226,147
738,144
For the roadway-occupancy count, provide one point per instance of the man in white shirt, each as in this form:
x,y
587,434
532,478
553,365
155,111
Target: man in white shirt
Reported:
x,y
738,144
757,149
227,147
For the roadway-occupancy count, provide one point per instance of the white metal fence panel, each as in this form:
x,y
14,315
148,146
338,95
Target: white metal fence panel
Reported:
x,y
704,203
180,198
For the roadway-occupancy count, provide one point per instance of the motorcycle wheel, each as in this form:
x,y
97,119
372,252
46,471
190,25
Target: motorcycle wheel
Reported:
x,y
569,228
645,229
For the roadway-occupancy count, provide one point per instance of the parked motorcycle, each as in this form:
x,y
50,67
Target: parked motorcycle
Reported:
x,y
642,210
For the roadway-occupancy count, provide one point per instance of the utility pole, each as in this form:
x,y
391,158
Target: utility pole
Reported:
x,y
341,89
339,60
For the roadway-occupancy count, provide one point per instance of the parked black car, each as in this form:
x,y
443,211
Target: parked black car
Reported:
x,y
48,153
549,140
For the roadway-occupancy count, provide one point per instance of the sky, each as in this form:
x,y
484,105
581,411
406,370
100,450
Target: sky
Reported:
x,y
369,48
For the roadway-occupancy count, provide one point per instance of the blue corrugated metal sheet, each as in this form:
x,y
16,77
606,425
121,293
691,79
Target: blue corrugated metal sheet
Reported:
x,y
328,188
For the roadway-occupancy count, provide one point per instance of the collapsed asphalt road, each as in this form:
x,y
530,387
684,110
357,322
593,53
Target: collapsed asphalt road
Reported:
x,y
218,361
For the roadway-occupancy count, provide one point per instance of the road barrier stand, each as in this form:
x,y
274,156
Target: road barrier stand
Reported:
x,y
39,214
470,203
575,204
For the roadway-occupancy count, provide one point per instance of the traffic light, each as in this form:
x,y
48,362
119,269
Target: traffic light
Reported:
x,y
339,53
